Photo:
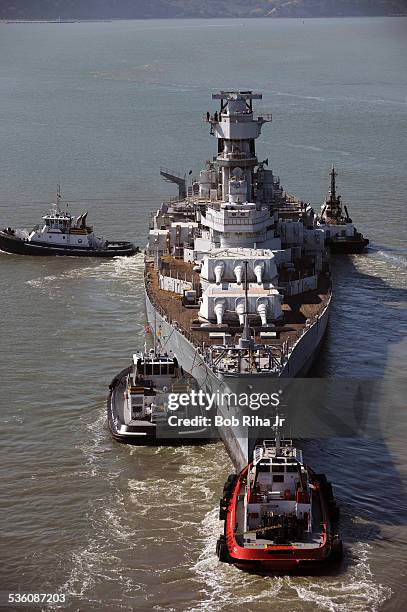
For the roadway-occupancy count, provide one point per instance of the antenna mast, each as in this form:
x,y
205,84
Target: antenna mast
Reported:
x,y
59,196
333,185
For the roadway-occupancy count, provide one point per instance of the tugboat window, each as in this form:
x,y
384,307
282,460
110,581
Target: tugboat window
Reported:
x,y
292,468
277,468
79,240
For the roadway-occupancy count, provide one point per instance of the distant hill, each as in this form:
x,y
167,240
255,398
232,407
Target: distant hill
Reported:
x,y
143,9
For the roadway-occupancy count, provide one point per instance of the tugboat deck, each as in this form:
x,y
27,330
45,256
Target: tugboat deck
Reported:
x,y
117,399
310,540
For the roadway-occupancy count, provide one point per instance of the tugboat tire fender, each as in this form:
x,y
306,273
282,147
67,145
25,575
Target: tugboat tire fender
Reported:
x,y
336,551
334,512
227,488
222,550
326,487
230,483
223,514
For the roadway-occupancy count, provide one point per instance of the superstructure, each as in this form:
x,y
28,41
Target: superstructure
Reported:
x,y
236,272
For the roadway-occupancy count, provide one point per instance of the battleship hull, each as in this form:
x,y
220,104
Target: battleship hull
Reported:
x,y
17,246
239,441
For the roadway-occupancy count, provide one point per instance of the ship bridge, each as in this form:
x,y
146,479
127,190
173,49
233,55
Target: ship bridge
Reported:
x,y
236,129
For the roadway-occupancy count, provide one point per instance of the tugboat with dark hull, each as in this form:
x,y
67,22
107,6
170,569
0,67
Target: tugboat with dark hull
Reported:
x,y
341,236
280,517
62,234
137,405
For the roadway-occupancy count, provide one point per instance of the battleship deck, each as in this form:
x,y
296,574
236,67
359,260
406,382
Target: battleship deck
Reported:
x,y
298,311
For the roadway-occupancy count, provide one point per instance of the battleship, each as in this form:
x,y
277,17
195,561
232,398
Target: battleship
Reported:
x,y
237,273
60,234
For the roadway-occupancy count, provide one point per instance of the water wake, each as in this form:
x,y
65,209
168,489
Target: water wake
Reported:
x,y
224,586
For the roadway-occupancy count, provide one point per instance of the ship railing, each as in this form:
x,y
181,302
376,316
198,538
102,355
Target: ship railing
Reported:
x,y
291,199
167,318
189,201
216,355
235,155
237,117
265,117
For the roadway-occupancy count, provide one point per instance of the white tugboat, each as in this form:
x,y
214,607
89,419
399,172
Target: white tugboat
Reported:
x,y
62,234
235,273
137,405
279,515
341,236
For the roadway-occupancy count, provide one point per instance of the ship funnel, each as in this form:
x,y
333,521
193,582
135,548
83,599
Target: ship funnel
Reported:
x,y
238,272
219,310
240,310
218,270
262,310
258,270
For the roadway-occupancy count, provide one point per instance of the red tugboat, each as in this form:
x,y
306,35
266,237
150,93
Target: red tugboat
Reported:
x,y
280,517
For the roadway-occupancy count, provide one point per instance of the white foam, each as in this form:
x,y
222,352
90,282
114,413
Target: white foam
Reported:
x,y
354,589
397,260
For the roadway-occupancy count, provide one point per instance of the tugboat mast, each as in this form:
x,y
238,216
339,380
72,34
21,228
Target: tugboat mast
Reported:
x,y
332,192
59,196
277,436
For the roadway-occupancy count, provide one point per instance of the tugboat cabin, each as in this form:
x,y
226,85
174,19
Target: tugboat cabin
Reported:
x,y
57,221
277,504
154,365
277,486
150,379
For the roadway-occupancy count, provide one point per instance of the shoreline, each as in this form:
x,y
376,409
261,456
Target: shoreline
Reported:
x,y
6,21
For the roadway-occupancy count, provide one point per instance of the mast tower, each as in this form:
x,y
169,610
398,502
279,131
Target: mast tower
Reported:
x,y
237,129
